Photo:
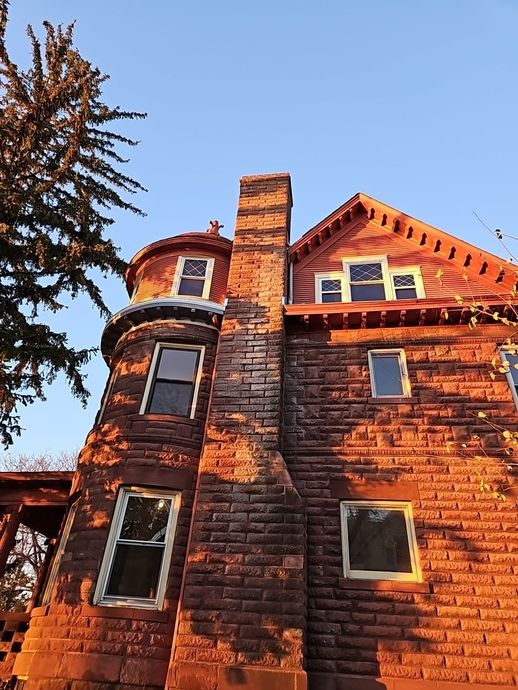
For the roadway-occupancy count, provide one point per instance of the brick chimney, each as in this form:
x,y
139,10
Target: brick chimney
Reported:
x,y
242,607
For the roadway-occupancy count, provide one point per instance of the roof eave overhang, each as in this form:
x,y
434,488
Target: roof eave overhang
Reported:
x,y
202,312
399,313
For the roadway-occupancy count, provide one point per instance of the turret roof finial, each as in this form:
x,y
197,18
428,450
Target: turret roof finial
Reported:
x,y
215,227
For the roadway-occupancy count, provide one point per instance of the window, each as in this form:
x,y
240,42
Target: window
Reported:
x,y
193,277
136,561
407,283
366,282
58,554
379,541
329,287
173,380
388,373
367,279
510,362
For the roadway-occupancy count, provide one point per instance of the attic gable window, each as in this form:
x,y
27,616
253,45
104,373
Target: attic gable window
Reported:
x,y
366,279
329,287
369,279
193,277
406,283
366,282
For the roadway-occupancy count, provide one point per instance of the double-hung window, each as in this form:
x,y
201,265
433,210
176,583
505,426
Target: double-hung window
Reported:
x,y
379,541
193,277
173,380
138,552
388,373
510,361
369,279
406,283
366,281
329,287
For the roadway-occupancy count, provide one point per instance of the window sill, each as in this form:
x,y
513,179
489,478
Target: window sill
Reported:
x,y
160,417
385,585
101,610
393,400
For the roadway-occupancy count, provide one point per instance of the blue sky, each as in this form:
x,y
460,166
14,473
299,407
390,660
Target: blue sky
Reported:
x,y
413,103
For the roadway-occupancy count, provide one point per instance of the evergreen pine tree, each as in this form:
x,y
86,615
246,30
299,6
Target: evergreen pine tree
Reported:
x,y
59,180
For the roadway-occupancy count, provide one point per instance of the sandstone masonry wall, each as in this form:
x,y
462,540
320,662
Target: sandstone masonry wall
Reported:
x,y
242,613
459,626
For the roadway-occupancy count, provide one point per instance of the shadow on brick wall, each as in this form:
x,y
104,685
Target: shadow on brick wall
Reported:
x,y
460,628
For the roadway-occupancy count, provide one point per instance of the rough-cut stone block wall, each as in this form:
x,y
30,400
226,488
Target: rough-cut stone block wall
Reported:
x,y
130,365
242,614
460,625
70,641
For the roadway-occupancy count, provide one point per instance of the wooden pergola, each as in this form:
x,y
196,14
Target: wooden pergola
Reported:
x,y
35,499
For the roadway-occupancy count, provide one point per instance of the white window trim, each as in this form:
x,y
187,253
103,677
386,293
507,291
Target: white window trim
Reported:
x,y
405,380
333,275
179,271
405,270
512,385
349,261
100,598
387,273
58,554
153,369
414,576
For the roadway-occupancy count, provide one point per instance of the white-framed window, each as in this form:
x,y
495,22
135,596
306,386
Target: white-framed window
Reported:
x,y
388,373
193,276
58,553
138,551
379,542
509,358
406,283
366,278
174,379
329,287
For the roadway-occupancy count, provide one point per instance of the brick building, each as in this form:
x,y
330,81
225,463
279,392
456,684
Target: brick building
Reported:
x,y
275,493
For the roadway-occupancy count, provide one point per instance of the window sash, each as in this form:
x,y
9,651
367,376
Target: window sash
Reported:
x,y
180,275
320,293
373,355
404,507
418,285
391,292
153,379
354,261
101,597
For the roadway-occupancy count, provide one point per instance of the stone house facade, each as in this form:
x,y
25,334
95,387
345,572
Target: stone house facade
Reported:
x,y
282,487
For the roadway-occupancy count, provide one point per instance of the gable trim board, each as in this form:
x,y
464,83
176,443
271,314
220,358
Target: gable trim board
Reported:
x,y
465,256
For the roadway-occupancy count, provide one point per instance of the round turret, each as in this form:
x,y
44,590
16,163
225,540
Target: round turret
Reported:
x,y
118,570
